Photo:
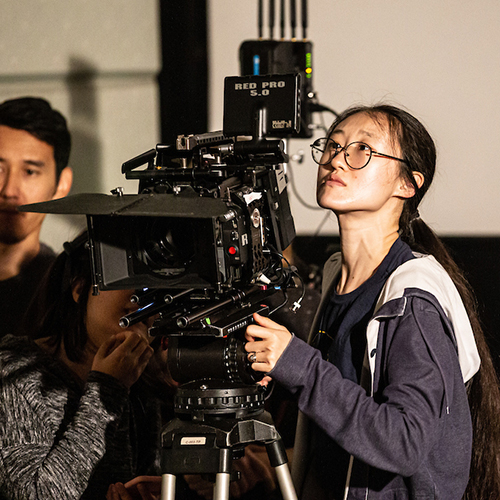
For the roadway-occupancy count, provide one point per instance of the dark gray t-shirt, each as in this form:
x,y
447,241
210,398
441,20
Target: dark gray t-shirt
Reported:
x,y
16,293
342,337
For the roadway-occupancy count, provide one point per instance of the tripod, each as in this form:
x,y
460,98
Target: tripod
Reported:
x,y
222,422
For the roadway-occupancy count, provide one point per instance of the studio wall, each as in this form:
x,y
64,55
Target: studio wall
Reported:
x,y
97,62
439,60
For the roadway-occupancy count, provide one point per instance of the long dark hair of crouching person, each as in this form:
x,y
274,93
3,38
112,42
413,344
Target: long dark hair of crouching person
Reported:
x,y
76,413
397,390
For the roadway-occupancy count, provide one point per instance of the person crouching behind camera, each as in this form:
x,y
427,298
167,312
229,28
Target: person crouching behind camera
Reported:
x,y
76,415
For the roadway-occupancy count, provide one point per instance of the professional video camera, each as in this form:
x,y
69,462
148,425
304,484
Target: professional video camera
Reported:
x,y
202,241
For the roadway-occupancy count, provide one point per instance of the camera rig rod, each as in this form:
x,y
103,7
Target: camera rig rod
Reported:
x,y
142,314
146,296
143,297
235,298
150,302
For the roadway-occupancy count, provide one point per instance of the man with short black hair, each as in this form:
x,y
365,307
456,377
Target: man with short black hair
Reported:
x,y
34,151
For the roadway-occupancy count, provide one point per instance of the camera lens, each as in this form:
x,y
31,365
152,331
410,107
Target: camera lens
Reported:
x,y
194,358
169,246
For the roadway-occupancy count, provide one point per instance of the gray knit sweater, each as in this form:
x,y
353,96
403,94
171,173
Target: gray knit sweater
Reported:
x,y
59,440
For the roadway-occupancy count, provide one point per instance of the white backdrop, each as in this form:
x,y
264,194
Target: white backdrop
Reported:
x,y
439,60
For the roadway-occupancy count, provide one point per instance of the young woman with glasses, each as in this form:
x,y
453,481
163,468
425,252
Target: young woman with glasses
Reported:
x,y
398,394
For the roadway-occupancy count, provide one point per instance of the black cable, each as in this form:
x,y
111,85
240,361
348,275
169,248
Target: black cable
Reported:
x,y
321,224
288,273
305,204
315,107
296,193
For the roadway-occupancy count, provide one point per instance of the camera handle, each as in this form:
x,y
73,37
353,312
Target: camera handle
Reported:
x,y
202,448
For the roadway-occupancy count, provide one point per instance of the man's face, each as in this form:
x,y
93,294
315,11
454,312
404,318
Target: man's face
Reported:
x,y
27,175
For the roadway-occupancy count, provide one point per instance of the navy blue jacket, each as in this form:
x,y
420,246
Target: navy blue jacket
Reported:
x,y
407,426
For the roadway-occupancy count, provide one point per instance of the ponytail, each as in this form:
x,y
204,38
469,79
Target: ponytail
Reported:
x,y
483,390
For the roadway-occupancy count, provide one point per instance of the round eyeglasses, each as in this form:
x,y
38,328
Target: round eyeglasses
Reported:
x,y
356,154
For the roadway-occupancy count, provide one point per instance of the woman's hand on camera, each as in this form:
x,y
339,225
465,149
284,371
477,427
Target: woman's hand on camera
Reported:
x,y
266,342
124,356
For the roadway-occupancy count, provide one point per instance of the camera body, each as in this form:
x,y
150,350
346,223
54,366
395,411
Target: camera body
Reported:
x,y
202,241
204,225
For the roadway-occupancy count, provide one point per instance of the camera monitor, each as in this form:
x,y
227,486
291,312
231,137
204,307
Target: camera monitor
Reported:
x,y
271,102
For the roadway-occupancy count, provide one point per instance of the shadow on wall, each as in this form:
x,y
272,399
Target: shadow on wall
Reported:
x,y
86,154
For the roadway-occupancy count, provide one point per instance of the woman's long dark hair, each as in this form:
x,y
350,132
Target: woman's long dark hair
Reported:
x,y
55,316
419,152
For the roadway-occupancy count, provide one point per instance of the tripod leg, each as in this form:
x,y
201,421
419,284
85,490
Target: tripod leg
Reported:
x,y
279,460
223,477
168,487
285,482
221,488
